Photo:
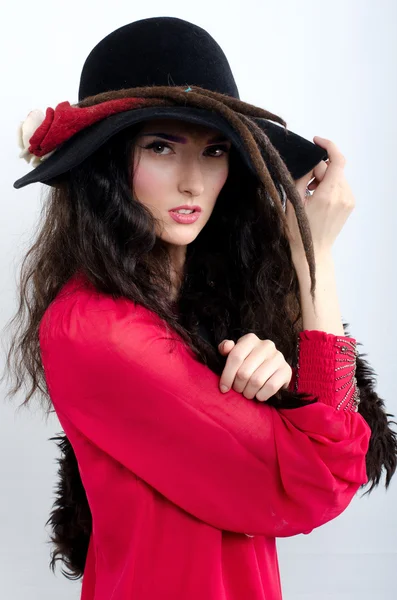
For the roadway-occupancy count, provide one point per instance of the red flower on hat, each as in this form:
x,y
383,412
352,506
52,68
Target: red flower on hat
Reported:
x,y
39,136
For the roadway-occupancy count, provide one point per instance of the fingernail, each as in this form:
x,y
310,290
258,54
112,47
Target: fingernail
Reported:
x,y
224,388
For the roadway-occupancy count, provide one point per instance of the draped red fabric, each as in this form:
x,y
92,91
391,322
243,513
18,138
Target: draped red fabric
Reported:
x,y
188,487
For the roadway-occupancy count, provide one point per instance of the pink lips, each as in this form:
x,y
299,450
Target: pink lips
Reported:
x,y
194,207
183,218
186,219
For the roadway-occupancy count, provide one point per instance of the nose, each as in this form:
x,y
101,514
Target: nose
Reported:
x,y
191,178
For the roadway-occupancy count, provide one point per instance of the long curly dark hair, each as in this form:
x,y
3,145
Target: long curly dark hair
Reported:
x,y
238,278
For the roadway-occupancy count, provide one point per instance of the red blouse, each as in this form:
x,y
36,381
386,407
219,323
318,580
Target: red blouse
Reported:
x,y
188,487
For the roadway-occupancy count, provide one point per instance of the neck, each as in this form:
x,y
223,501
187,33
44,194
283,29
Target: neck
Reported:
x,y
178,257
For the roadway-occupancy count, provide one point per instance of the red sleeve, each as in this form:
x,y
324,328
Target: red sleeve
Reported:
x,y
326,369
237,464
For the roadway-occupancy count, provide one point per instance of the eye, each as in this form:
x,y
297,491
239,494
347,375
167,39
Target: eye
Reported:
x,y
223,148
157,145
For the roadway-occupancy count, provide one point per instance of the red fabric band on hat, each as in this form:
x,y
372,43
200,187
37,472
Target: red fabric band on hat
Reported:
x,y
66,120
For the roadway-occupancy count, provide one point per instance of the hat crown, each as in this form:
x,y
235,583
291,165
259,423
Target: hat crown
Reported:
x,y
157,51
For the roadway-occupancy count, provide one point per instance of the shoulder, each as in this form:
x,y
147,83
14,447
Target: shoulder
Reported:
x,y
83,314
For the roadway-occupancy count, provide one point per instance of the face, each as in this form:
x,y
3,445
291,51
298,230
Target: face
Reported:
x,y
178,163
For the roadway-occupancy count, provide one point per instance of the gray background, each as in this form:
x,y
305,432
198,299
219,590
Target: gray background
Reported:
x,y
328,69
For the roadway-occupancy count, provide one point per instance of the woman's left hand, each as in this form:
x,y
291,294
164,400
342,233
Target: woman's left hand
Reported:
x,y
327,209
254,367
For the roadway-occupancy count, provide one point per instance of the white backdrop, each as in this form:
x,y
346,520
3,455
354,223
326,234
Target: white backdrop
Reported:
x,y
328,69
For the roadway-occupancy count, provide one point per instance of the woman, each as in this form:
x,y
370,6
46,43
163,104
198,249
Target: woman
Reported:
x,y
168,488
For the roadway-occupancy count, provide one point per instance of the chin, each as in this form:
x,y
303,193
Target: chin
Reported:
x,y
181,234
181,240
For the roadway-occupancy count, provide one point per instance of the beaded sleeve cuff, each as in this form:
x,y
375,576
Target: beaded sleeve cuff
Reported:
x,y
324,358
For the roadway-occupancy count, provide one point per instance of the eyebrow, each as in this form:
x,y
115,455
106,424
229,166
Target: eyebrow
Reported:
x,y
183,140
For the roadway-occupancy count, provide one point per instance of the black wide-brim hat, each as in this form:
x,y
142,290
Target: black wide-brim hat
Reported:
x,y
158,51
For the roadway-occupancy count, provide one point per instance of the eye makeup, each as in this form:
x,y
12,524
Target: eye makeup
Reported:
x,y
225,149
183,140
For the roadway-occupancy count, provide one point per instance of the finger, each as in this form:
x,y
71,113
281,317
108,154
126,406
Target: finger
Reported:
x,y
272,386
319,172
257,367
233,363
303,181
336,163
225,346
261,375
313,185
236,357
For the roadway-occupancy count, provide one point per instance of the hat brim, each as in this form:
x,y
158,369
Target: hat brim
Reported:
x,y
300,155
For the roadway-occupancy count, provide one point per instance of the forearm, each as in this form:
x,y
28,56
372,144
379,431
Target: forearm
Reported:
x,y
324,314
